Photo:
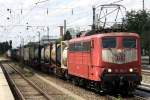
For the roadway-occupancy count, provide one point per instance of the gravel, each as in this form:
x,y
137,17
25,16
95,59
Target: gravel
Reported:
x,y
82,92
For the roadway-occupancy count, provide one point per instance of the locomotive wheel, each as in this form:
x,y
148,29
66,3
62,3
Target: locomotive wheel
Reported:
x,y
127,92
81,83
55,71
50,70
74,81
67,77
44,69
88,86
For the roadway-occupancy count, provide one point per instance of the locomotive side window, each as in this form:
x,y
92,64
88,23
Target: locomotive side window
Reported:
x,y
78,47
86,46
75,47
109,42
71,47
129,43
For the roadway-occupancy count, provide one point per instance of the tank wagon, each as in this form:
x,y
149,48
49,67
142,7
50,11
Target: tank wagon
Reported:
x,y
30,54
54,58
104,62
12,54
8,53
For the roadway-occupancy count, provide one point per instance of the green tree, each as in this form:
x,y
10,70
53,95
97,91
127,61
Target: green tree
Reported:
x,y
67,36
10,44
139,22
146,38
4,46
136,20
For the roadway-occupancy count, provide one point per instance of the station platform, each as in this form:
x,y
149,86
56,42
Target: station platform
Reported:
x,y
5,91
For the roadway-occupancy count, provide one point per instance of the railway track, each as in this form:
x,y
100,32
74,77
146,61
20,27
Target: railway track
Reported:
x,y
146,72
142,94
83,94
53,93
139,98
134,97
76,92
24,88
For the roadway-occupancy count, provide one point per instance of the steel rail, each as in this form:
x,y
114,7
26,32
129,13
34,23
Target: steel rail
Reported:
x,y
108,97
31,83
142,90
135,97
14,88
145,72
139,98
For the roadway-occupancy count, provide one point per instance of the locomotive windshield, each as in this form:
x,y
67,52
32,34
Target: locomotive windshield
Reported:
x,y
109,42
129,43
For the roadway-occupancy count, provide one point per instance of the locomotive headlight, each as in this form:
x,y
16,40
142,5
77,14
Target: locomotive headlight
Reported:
x,y
119,50
131,70
109,70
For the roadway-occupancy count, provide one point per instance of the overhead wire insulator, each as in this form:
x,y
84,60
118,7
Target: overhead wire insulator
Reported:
x,y
47,11
21,11
72,11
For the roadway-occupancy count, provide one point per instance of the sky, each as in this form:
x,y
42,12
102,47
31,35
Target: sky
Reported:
x,y
16,15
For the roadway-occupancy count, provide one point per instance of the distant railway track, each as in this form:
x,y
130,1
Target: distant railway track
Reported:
x,y
134,97
24,88
146,72
142,94
139,98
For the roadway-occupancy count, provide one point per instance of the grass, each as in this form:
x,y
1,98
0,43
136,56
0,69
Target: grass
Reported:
x,y
119,98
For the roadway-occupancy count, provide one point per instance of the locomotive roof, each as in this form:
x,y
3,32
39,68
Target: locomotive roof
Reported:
x,y
103,35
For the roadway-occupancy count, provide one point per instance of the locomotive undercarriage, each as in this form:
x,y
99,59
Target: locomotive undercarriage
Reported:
x,y
123,83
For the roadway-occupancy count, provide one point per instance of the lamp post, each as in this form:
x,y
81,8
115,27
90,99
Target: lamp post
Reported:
x,y
21,48
143,5
48,32
39,55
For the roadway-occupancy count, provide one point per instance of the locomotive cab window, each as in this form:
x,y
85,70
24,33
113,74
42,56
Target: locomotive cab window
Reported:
x,y
109,42
129,43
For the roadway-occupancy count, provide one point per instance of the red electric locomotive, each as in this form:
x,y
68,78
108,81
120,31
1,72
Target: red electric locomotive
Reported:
x,y
110,61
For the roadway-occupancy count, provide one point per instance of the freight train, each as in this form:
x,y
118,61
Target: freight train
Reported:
x,y
104,62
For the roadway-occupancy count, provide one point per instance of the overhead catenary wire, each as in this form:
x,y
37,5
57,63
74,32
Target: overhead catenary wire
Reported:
x,y
46,8
116,1
35,6
30,10
27,14
41,1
